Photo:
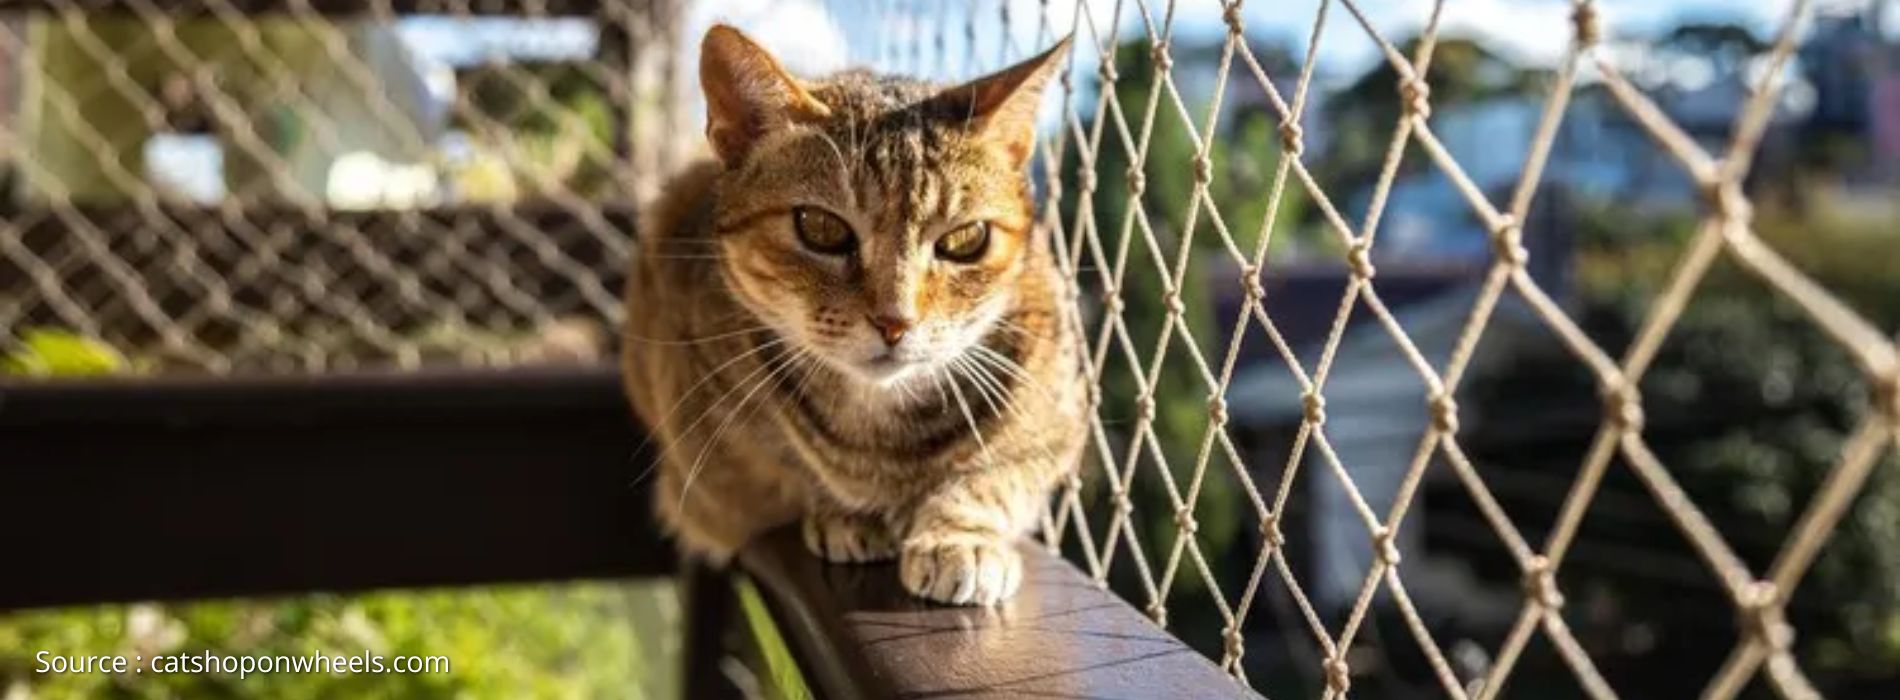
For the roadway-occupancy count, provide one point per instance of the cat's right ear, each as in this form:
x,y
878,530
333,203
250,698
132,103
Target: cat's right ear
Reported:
x,y
748,94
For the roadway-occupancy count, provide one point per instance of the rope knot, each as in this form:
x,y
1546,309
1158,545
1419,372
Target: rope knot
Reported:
x,y
1162,60
1159,613
1315,408
1137,181
1087,180
1250,283
1107,72
1415,96
1292,139
1584,19
1145,407
1231,15
1270,531
1444,413
1217,409
1384,546
1763,618
1540,583
1623,408
1359,260
1113,302
1184,520
1338,675
1203,169
1507,242
1123,506
1728,202
1234,644
1175,306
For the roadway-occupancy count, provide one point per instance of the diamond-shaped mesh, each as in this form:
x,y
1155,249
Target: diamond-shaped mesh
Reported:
x,y
273,270
231,185
1170,234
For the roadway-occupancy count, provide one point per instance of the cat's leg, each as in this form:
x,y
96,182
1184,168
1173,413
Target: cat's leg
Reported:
x,y
837,535
960,547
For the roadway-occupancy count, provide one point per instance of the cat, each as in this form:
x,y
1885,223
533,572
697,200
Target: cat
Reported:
x,y
847,316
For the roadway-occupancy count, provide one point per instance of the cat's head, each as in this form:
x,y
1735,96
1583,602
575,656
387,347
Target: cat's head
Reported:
x,y
880,223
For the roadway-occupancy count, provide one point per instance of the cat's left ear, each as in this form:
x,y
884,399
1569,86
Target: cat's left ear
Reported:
x,y
748,94
1002,106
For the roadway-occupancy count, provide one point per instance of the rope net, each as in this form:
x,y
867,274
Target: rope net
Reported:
x,y
1169,234
283,263
223,186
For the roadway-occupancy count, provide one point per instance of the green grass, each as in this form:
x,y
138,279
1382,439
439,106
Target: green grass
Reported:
x,y
589,639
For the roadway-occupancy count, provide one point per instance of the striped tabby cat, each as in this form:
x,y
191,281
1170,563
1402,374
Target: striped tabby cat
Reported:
x,y
849,318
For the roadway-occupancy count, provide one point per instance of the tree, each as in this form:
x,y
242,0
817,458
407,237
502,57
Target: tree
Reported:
x,y
1362,116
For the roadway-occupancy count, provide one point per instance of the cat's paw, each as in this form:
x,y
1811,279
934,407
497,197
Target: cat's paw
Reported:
x,y
848,538
961,569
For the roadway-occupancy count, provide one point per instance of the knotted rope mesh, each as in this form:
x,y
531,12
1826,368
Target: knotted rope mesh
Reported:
x,y
1096,254
270,274
226,186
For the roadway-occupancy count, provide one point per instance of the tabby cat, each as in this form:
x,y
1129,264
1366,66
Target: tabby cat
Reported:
x,y
849,317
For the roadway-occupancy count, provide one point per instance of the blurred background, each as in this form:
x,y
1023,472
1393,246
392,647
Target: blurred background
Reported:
x,y
204,191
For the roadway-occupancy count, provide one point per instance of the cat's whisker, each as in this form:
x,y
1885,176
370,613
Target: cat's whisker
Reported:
x,y
1008,399
983,388
736,386
1015,369
655,429
970,418
696,341
777,374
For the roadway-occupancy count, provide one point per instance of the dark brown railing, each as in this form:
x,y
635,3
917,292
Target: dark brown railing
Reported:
x,y
173,489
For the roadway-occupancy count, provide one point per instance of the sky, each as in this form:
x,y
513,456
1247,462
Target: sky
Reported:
x,y
816,35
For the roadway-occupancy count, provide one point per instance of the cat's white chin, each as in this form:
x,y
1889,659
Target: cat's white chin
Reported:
x,y
889,372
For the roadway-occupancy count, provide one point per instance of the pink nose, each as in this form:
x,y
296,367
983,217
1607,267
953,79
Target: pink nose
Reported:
x,y
892,328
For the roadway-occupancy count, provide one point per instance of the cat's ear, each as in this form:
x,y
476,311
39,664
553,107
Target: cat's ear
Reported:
x,y
1002,105
748,94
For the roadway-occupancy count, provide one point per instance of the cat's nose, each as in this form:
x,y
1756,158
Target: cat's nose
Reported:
x,y
892,328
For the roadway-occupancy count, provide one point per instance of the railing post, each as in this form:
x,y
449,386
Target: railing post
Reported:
x,y
707,596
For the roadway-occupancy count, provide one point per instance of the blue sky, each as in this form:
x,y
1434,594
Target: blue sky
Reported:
x,y
819,35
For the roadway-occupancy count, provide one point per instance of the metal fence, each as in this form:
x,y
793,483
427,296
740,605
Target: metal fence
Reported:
x,y
502,219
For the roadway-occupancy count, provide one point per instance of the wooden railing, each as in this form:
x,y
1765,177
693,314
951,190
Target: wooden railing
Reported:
x,y
171,489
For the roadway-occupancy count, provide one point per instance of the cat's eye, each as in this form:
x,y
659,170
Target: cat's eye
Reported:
x,y
823,231
966,243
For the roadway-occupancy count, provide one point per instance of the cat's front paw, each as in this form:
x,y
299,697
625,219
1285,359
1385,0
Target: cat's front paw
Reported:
x,y
961,569
846,539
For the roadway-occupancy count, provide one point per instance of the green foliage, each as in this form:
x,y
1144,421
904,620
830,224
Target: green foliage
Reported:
x,y
575,641
1749,403
784,680
1243,163
44,352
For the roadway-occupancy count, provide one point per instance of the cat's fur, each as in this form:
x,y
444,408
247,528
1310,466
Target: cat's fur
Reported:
x,y
758,365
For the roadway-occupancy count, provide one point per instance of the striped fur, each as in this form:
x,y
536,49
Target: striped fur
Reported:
x,y
746,354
